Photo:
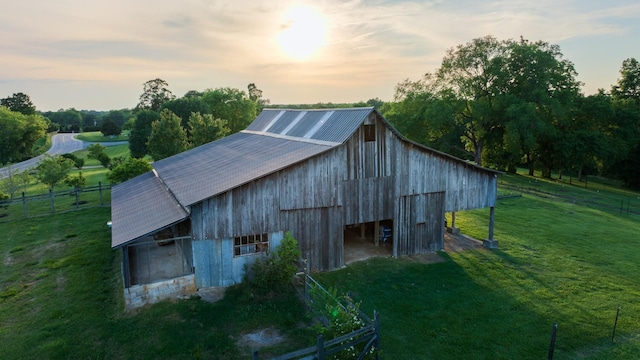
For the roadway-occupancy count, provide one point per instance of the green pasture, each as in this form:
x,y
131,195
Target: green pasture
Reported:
x,y
96,136
558,262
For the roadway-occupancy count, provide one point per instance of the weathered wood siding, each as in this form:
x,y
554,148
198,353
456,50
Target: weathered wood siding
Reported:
x,y
358,182
419,224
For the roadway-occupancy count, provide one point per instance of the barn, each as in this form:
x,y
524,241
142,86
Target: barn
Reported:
x,y
326,176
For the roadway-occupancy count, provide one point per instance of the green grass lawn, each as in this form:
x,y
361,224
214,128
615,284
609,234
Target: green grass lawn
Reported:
x,y
558,261
61,297
96,136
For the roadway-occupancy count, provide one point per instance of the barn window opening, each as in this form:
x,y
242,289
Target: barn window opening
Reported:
x,y
250,244
369,133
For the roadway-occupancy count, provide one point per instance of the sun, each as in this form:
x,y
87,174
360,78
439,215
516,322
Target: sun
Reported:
x,y
303,33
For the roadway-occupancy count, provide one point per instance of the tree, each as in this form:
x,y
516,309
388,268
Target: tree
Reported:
x,y
69,120
10,184
77,162
76,182
628,86
95,150
110,128
52,170
204,129
19,102
155,93
167,136
18,133
128,169
139,136
255,95
232,105
505,100
183,107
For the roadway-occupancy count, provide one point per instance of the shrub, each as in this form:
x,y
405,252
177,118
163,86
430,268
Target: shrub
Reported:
x,y
276,269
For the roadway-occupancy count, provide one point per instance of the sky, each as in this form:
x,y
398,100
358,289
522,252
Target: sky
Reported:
x,y
96,55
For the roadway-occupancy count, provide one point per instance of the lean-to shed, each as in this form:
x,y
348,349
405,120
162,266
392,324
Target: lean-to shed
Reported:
x,y
199,216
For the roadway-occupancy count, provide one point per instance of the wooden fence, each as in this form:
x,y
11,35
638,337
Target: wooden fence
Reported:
x,y
369,334
54,202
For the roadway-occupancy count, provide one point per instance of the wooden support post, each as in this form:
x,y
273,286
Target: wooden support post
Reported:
x,y
490,243
376,233
362,228
453,229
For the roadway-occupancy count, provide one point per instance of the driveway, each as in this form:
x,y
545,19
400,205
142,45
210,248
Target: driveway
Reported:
x,y
60,144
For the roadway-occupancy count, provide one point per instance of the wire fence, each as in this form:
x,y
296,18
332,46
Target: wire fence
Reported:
x,y
54,202
621,204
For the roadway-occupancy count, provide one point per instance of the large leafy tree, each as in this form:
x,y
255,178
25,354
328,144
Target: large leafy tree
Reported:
x,y
232,105
626,105
501,101
53,170
18,133
628,86
167,137
155,93
110,128
139,136
19,102
205,128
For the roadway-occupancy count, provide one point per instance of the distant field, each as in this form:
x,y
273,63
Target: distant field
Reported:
x,y
558,262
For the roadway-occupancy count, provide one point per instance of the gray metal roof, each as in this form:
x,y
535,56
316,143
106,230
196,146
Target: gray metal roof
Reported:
x,y
140,206
227,163
333,125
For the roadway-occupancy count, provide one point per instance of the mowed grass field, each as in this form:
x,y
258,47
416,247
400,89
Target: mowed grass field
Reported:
x,y
558,262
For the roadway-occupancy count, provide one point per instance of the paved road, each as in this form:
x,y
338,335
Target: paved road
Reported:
x,y
60,144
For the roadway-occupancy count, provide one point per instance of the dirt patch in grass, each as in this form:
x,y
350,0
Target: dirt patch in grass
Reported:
x,y
261,338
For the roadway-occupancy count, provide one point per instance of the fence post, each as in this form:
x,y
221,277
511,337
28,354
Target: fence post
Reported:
x,y
376,322
552,345
53,208
24,204
100,190
615,324
320,347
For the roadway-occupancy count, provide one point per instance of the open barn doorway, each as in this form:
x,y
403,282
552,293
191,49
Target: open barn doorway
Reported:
x,y
366,240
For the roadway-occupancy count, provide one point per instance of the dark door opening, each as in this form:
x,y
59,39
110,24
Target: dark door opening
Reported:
x,y
363,241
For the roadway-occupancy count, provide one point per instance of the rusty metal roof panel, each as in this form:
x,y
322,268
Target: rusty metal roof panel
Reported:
x,y
141,206
227,163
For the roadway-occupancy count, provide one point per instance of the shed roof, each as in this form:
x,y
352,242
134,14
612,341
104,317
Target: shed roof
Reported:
x,y
140,206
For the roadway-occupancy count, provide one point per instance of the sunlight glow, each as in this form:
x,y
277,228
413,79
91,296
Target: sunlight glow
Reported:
x,y
303,33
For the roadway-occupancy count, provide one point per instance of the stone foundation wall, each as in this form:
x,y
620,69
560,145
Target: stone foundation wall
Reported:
x,y
139,295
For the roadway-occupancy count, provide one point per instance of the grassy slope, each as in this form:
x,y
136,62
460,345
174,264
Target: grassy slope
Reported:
x,y
557,262
61,297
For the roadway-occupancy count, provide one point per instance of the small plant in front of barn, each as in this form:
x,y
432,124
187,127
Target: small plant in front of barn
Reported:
x,y
275,270
342,320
